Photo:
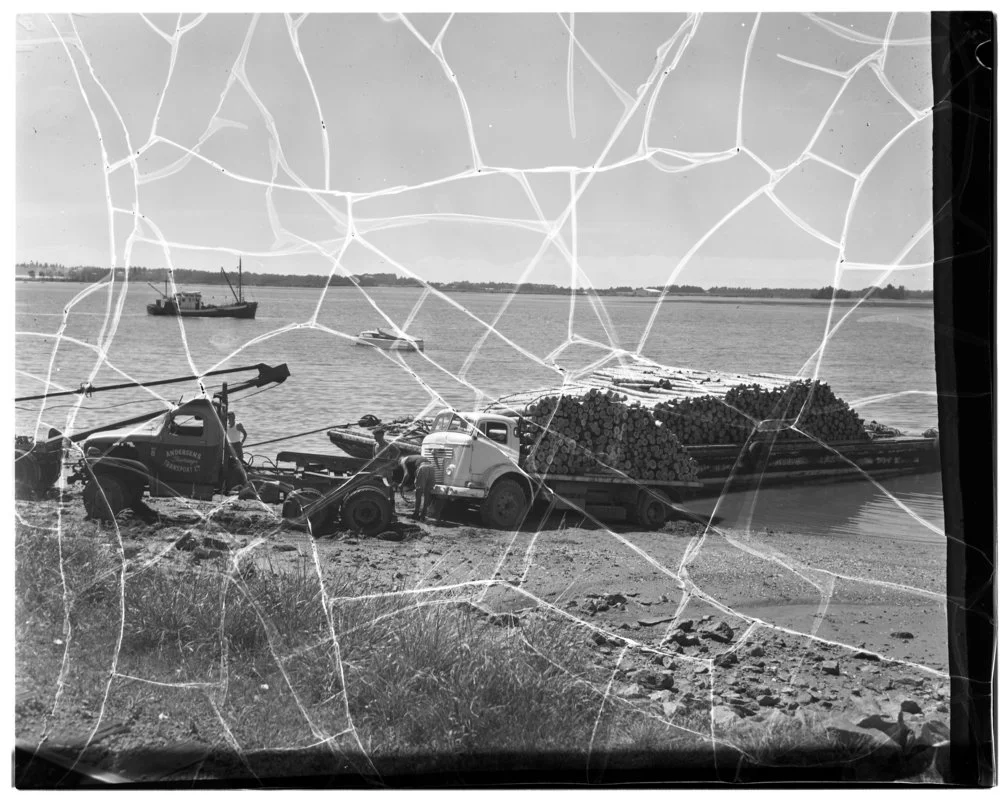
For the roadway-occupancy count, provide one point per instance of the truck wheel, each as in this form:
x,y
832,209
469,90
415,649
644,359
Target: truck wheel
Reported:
x,y
297,509
367,511
135,490
105,496
652,512
504,506
26,473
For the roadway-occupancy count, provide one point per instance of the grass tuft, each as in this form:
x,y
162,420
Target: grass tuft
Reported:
x,y
286,661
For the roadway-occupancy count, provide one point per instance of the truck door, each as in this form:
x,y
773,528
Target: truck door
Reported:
x,y
493,445
190,448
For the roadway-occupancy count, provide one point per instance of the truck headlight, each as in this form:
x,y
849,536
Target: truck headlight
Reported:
x,y
450,470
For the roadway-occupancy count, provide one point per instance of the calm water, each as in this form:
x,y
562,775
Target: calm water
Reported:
x,y
879,350
903,507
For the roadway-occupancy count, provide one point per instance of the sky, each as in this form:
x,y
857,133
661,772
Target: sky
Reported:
x,y
779,149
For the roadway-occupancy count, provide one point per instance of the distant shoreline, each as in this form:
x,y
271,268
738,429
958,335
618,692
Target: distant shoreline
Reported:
x,y
34,271
649,298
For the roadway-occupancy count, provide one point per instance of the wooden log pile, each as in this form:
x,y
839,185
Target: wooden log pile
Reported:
x,y
586,434
708,420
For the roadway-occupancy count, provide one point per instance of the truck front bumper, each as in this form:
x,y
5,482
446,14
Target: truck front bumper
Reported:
x,y
457,492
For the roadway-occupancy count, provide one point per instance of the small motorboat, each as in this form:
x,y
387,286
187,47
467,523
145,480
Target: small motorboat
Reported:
x,y
405,434
360,444
389,340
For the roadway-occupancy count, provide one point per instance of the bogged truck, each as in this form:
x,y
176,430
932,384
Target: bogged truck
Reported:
x,y
184,452
621,468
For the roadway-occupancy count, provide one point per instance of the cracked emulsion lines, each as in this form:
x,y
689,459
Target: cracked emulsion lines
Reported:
x,y
354,231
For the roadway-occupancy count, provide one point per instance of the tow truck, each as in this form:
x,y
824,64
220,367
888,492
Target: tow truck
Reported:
x,y
183,452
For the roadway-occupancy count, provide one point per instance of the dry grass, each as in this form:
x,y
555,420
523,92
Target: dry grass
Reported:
x,y
287,661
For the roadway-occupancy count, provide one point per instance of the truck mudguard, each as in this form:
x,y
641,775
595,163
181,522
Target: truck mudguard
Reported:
x,y
506,468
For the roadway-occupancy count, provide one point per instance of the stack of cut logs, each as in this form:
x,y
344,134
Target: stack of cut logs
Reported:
x,y
708,420
600,430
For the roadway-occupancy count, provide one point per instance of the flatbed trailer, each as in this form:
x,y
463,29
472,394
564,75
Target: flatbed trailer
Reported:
x,y
303,470
316,491
648,503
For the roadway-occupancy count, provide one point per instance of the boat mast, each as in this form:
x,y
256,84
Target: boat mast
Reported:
x,y
241,280
229,283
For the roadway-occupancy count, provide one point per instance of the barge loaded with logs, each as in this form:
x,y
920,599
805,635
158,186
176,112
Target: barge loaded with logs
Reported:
x,y
653,425
751,430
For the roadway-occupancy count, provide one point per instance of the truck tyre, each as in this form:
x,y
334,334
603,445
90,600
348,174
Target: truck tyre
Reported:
x,y
105,496
505,505
652,511
135,490
367,511
26,473
298,511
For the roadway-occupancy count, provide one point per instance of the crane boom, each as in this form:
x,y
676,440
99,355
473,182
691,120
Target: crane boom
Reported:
x,y
267,375
275,374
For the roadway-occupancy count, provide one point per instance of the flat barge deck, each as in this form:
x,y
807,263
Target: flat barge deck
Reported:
x,y
788,462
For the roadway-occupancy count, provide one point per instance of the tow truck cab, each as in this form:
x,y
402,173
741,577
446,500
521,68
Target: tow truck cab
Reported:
x,y
470,451
181,453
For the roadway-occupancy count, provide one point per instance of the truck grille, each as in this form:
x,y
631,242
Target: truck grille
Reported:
x,y
440,457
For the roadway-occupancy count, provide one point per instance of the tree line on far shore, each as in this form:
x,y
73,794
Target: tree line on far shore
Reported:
x,y
889,291
47,271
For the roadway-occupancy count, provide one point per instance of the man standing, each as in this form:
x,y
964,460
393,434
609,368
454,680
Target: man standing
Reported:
x,y
384,451
386,456
236,434
423,490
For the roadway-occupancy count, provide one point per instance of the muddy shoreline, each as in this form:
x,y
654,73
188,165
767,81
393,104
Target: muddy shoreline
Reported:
x,y
745,627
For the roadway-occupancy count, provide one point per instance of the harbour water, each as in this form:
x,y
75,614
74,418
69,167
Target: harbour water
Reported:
x,y
880,358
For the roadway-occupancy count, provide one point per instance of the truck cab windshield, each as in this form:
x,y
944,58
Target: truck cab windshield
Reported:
x,y
451,422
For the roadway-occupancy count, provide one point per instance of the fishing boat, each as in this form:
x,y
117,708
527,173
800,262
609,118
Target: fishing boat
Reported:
x,y
190,303
389,340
